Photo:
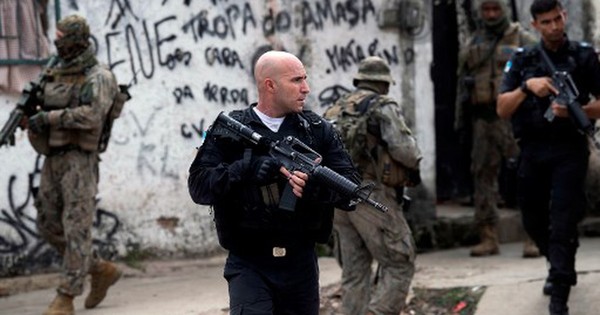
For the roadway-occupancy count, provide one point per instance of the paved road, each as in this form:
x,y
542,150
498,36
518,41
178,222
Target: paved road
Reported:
x,y
196,287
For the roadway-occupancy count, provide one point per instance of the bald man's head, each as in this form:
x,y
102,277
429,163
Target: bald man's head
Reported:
x,y
269,64
281,82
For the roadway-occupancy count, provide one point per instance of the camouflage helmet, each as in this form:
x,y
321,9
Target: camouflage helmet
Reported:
x,y
75,36
373,68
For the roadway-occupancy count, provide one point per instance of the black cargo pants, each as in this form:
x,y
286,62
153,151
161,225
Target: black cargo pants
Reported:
x,y
262,284
552,200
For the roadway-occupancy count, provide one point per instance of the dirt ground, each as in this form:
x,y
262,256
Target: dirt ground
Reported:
x,y
421,301
454,301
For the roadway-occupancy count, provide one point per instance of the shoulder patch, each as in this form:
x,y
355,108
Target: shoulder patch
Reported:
x,y
508,66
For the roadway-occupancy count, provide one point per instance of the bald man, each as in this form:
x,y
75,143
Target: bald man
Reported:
x,y
272,266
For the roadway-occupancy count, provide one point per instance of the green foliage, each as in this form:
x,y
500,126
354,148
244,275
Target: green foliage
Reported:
x,y
455,301
135,256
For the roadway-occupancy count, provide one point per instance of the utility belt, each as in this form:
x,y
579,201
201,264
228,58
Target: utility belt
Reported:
x,y
64,149
267,250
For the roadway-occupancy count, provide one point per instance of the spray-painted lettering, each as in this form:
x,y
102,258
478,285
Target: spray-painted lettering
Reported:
x,y
181,93
224,56
224,95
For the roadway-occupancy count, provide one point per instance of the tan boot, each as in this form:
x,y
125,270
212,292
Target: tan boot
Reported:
x,y
104,274
62,305
489,242
530,250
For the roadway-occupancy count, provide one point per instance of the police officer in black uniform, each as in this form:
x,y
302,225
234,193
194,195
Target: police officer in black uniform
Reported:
x,y
554,154
272,266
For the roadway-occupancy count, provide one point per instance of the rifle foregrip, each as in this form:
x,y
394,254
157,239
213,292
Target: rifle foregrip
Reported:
x,y
345,187
335,181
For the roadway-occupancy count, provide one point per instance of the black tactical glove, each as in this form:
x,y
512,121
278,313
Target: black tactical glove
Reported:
x,y
264,169
260,169
39,122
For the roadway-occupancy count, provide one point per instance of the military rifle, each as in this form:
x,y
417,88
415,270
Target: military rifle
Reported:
x,y
26,106
294,155
567,96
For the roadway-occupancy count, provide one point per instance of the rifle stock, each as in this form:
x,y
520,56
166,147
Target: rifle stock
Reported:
x,y
295,155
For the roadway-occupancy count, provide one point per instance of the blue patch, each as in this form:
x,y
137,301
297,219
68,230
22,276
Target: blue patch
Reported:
x,y
508,66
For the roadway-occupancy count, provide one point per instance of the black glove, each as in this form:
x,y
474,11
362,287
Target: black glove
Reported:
x,y
39,122
264,169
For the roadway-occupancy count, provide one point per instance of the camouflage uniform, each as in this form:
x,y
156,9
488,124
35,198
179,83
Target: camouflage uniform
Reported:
x,y
480,72
367,234
77,99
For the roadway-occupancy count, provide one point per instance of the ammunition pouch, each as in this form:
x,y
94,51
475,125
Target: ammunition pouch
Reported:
x,y
393,173
122,97
39,141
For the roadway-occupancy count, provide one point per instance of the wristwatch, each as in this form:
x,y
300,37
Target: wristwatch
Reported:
x,y
524,88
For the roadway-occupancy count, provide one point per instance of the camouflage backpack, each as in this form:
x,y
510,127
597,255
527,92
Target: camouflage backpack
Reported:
x,y
351,122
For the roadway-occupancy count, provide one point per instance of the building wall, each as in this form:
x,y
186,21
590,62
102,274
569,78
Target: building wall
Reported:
x,y
187,61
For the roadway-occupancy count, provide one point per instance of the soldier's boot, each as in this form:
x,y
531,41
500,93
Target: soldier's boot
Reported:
x,y
104,274
559,298
530,250
61,305
489,242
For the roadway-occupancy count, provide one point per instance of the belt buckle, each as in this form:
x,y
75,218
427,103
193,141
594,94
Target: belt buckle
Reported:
x,y
278,251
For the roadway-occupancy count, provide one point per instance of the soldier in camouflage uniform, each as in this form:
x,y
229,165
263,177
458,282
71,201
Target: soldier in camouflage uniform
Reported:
x,y
480,72
77,99
367,234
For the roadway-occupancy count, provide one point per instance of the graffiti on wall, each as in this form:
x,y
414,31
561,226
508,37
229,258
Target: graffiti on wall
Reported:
x,y
189,59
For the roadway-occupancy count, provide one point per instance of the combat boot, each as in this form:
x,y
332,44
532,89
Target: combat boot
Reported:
x,y
559,298
61,305
489,242
530,250
104,274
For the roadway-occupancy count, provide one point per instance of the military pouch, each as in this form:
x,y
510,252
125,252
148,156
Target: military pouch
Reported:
x,y
59,94
40,141
114,113
484,90
120,99
393,173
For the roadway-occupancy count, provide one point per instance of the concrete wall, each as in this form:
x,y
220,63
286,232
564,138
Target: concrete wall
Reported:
x,y
188,61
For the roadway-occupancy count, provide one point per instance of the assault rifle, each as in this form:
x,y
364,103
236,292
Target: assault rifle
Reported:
x,y
567,96
297,156
26,106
